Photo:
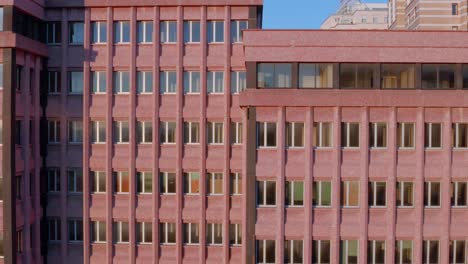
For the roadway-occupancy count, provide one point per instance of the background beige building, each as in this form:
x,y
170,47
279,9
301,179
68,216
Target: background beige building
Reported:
x,y
354,14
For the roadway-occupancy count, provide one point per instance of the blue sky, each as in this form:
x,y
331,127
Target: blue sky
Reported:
x,y
300,14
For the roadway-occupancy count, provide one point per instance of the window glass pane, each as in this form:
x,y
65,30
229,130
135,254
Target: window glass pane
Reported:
x,y
196,31
398,76
271,134
347,76
219,28
76,33
1,29
270,193
76,82
326,194
353,193
283,75
265,75
353,135
298,193
172,31
435,193
446,76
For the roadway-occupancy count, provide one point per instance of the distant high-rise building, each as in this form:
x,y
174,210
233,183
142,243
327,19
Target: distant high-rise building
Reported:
x,y
353,14
428,15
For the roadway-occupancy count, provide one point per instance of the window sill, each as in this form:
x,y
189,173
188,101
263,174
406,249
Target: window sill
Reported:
x,y
167,194
406,148
378,207
145,43
98,143
214,245
432,207
191,244
145,143
192,94
168,143
145,93
121,43
350,207
378,148
323,148
215,144
98,93
350,148
191,194
144,194
267,148
405,207
294,206
214,194
295,148
121,143
99,44
192,144
192,43
433,149
459,149
168,43
168,93
266,206
322,207
459,207
216,43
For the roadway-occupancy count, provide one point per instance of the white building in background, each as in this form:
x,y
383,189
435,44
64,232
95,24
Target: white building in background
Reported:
x,y
354,14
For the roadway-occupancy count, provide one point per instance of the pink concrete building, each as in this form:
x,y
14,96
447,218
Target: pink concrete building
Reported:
x,y
180,132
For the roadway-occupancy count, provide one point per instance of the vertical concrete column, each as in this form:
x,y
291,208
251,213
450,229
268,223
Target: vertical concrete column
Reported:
x,y
26,198
179,134
203,145
132,130
86,138
227,132
335,239
419,185
391,187
280,182
308,176
155,145
109,139
364,184
444,243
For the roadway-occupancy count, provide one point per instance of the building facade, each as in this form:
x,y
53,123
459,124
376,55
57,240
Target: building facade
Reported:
x,y
428,15
162,132
358,15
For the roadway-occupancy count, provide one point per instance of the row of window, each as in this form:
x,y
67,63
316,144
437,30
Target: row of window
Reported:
x,y
349,252
361,75
167,31
350,191
322,135
167,82
74,180
167,233
75,230
167,183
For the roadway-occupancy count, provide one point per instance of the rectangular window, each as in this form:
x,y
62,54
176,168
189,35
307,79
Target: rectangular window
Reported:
x,y
191,132
19,241
18,125
120,232
121,182
75,82
430,252
144,132
53,228
144,232
144,82
294,195
321,196
236,30
350,193
215,132
75,230
54,132
192,31
315,75
121,32
457,251
215,82
99,82
398,76
266,134
121,82
191,183
18,75
433,135
349,135
214,234
323,135
1,29
192,82
168,31
99,31
293,251
168,82
53,81
320,251
121,132
357,76
274,75
167,132
377,194
266,252
53,32
75,32
145,31
235,184
19,187
376,252
378,135
406,135
294,134
438,76
98,231
75,132
238,82
235,234
214,183
404,194
215,31
349,252
191,233
458,194
98,181
432,194
403,251
98,131
167,182
460,135
167,233
53,176
144,182
75,180
266,193
236,133
455,9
